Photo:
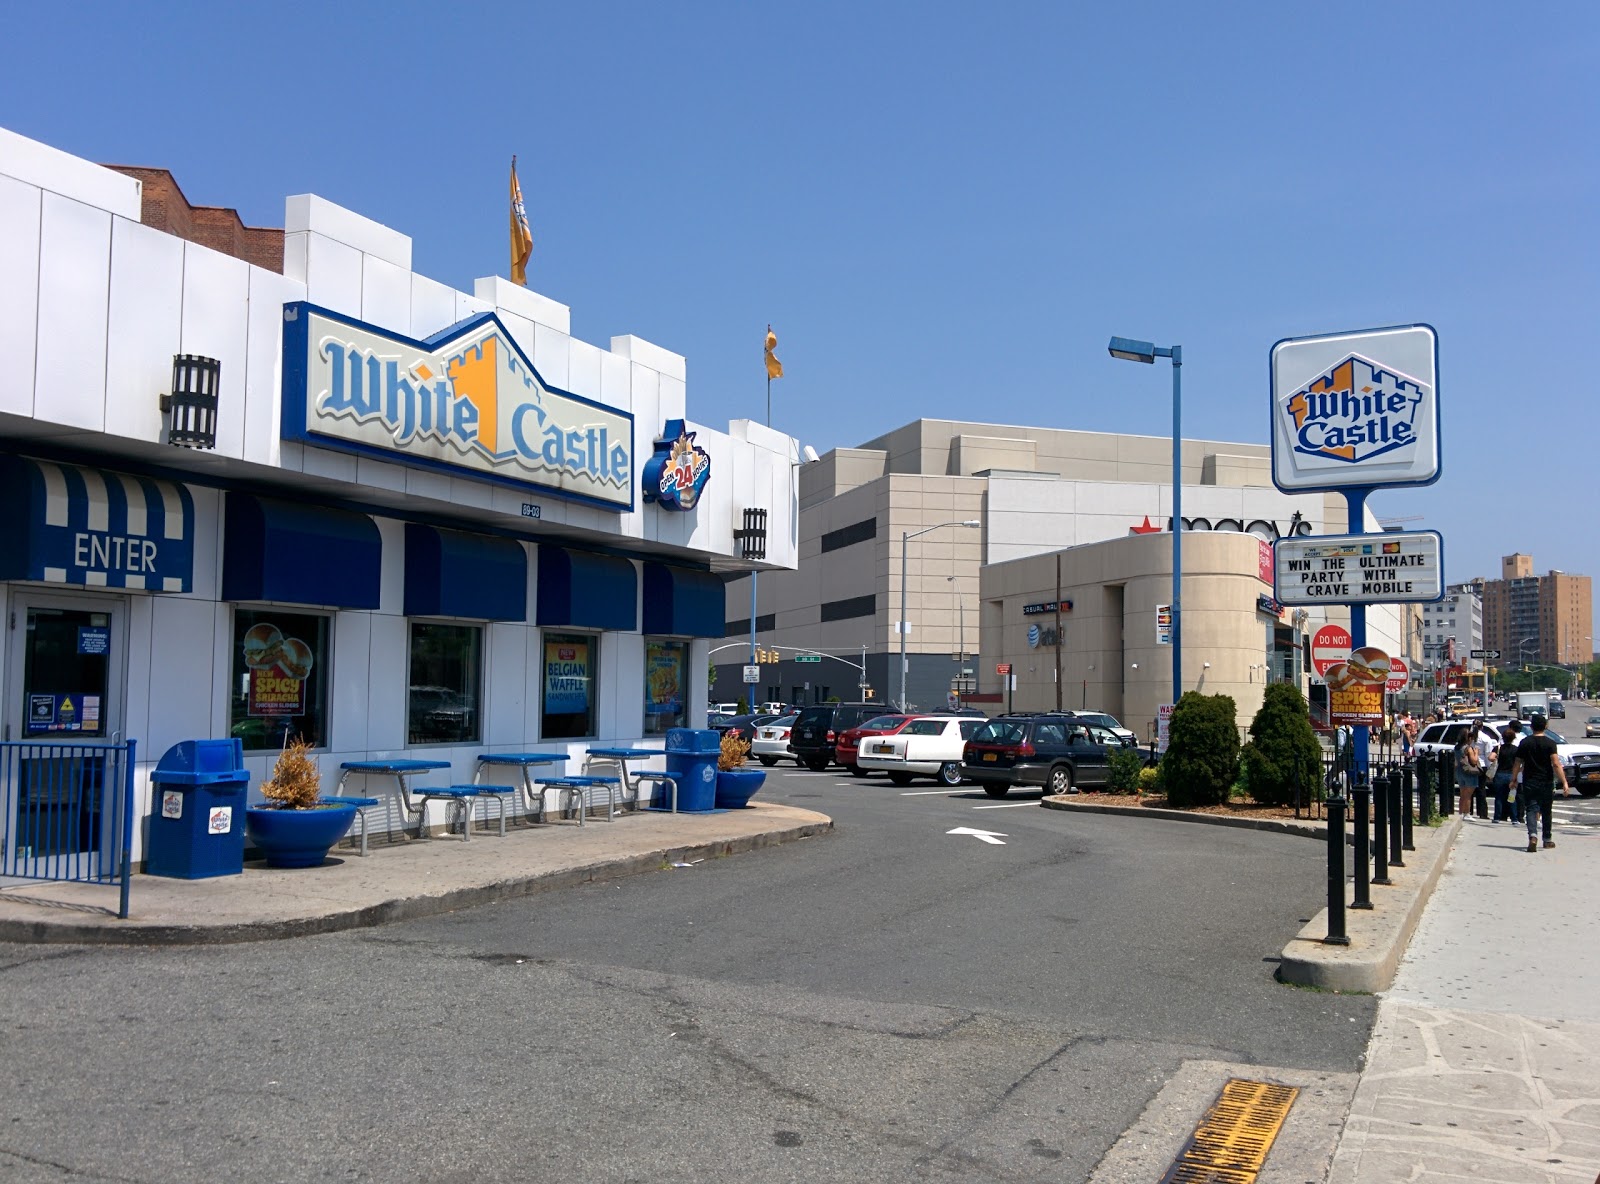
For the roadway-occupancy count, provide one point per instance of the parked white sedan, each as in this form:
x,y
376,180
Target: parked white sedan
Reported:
x,y
928,746
771,744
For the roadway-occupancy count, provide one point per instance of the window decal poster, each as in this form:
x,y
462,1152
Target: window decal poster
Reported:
x,y
566,677
663,679
279,668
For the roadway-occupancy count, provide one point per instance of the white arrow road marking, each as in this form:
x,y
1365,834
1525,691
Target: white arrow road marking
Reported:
x,y
988,836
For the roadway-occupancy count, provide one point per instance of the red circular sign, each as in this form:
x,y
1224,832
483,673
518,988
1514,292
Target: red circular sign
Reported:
x,y
1399,675
1329,645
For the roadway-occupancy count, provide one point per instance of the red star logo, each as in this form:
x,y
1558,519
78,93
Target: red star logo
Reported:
x,y
1147,528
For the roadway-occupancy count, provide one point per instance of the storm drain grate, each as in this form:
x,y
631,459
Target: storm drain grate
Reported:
x,y
1231,1143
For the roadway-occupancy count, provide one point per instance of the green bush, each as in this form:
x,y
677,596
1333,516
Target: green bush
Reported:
x,y
1282,749
743,706
1125,766
1202,759
1149,779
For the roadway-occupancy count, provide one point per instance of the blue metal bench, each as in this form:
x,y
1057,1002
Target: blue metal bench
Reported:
x,y
571,789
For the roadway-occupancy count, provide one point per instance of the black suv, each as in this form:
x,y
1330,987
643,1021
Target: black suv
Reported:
x,y
1054,752
816,730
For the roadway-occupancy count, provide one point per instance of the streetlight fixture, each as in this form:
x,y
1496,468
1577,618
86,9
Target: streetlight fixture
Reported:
x,y
905,537
1130,350
961,633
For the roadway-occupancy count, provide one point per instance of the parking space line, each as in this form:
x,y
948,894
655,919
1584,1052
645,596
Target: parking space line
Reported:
x,y
1006,806
922,793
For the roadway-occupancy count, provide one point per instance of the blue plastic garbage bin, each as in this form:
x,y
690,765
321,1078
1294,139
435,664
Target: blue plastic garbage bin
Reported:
x,y
197,812
692,754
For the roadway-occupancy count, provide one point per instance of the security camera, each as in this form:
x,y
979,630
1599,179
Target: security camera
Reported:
x,y
1205,665
808,454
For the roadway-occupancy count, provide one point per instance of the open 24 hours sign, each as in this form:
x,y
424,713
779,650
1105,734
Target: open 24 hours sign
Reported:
x,y
1383,568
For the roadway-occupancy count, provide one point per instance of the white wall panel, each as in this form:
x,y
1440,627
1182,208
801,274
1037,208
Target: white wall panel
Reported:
x,y
385,295
392,566
263,389
74,294
216,324
583,370
433,306
145,328
349,704
385,705
628,721
136,706
307,211
522,332
333,275
181,674
19,292
616,381
207,584
467,306
506,684
552,356
296,256
61,172
674,402
324,462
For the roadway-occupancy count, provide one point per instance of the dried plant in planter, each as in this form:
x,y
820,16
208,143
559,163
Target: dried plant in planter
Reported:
x,y
734,752
295,779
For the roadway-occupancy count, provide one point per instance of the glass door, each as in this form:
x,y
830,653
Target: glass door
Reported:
x,y
64,672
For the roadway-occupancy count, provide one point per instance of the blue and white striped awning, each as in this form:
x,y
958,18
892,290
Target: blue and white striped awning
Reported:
x,y
67,524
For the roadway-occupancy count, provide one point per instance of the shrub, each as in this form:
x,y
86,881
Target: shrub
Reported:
x,y
734,752
1124,770
1149,778
1283,749
295,782
1202,759
743,706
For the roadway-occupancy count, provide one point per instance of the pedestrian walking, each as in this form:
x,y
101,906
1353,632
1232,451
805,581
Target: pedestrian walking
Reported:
x,y
1539,762
1467,769
1487,743
1506,806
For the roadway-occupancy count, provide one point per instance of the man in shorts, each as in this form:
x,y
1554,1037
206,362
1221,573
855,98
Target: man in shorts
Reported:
x,y
1539,762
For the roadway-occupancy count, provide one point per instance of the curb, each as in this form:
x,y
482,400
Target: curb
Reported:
x,y
1378,938
1284,826
121,933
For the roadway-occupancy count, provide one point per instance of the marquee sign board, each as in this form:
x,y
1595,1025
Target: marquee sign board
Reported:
x,y
1354,410
1387,568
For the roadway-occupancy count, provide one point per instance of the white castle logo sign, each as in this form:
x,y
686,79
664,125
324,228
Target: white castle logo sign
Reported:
x,y
1355,412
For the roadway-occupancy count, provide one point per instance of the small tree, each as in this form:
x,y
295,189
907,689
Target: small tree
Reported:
x,y
1283,751
295,782
744,706
1202,759
1123,773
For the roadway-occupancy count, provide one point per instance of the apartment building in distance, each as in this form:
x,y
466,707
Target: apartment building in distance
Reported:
x,y
1532,618
1453,627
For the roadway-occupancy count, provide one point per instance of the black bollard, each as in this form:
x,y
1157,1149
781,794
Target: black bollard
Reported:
x,y
1336,934
1424,790
1406,821
1380,834
1361,866
1446,773
1392,783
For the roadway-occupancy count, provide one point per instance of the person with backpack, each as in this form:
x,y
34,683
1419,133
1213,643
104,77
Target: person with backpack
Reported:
x,y
1539,762
1468,766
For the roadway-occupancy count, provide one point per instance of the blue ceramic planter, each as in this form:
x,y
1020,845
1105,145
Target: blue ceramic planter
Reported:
x,y
735,787
297,838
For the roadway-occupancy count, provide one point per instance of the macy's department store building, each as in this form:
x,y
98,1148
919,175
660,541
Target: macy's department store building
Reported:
x,y
283,485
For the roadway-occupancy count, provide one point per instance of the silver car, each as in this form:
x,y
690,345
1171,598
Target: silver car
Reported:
x,y
771,744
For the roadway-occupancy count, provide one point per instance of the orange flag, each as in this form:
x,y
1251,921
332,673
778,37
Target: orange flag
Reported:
x,y
521,236
774,367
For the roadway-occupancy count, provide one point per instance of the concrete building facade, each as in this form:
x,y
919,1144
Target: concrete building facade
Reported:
x,y
1532,618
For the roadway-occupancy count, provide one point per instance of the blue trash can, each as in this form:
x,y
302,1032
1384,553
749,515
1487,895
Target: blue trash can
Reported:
x,y
197,811
692,754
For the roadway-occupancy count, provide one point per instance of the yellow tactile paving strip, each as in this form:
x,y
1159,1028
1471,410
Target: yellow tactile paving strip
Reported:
x,y
1231,1143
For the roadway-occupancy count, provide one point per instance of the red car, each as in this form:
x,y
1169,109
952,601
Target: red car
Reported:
x,y
849,743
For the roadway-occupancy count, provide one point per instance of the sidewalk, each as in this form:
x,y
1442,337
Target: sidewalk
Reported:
x,y
408,878
1484,1063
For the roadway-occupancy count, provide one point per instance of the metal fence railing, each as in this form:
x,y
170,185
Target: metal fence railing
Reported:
x,y
66,813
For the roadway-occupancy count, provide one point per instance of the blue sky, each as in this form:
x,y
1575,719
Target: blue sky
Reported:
x,y
943,210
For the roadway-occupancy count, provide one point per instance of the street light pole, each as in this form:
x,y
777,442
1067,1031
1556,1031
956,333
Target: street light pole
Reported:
x,y
1130,350
905,538
961,634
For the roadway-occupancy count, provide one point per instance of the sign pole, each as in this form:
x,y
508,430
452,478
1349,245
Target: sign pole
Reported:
x,y
1355,501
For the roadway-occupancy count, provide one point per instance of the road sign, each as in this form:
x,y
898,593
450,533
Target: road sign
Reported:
x,y
1356,409
1387,568
1399,675
1329,645
808,657
1490,655
752,674
1002,668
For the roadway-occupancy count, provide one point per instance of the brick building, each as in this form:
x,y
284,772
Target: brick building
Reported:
x,y
1531,618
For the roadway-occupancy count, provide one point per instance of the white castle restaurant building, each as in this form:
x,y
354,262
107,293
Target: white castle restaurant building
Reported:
x,y
301,490
1060,578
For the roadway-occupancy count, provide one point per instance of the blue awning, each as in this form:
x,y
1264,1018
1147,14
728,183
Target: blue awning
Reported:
x,y
682,602
588,590
64,524
450,573
299,554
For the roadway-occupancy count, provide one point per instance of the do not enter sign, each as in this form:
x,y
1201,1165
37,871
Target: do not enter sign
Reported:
x,y
1329,645
1399,675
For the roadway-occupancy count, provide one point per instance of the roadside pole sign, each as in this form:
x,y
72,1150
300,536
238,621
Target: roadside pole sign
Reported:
x,y
1002,668
1386,568
808,657
1330,645
752,674
1356,410
1399,675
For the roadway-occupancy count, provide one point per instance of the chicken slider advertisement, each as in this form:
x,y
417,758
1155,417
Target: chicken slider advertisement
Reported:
x,y
1356,687
278,669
